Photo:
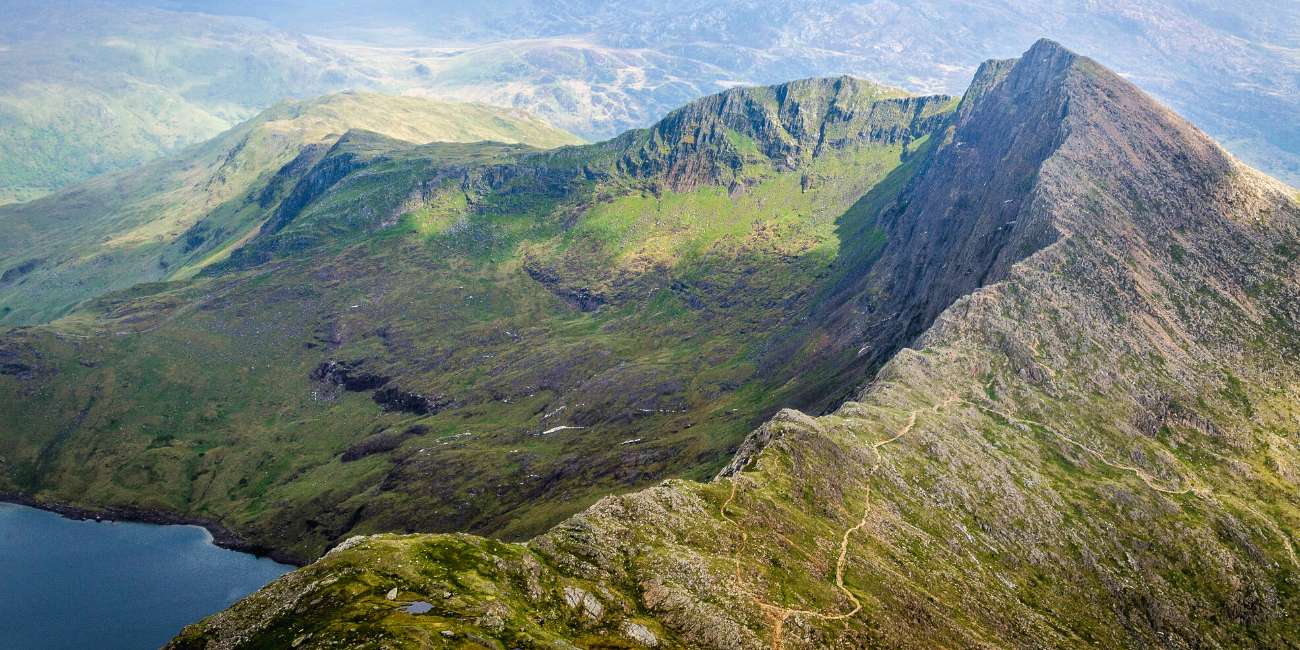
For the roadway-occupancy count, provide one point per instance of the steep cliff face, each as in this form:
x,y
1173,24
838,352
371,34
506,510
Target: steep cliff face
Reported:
x,y
973,209
708,141
1091,444
1031,137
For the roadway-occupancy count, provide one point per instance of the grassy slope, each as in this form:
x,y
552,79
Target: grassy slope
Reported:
x,y
1095,451
203,387
134,226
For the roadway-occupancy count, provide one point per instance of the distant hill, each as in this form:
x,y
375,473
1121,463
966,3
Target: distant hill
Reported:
x,y
93,87
174,216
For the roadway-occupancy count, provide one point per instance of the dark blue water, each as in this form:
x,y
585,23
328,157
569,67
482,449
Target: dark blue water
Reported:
x,y
88,584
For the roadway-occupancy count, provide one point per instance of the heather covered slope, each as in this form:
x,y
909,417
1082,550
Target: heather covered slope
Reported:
x,y
1096,449
172,217
468,337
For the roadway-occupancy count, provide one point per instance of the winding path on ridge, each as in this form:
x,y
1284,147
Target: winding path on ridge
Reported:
x,y
779,614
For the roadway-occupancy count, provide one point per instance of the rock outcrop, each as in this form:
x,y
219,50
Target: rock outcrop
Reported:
x,y
707,141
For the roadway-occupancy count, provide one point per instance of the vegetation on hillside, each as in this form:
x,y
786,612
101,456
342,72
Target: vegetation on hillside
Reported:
x,y
172,217
1093,448
472,336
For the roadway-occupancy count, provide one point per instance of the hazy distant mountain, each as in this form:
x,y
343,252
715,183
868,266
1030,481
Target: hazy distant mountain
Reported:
x,y
87,87
174,216
93,86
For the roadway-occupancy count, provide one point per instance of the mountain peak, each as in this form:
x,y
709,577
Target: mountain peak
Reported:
x,y
1033,75
1045,48
1036,144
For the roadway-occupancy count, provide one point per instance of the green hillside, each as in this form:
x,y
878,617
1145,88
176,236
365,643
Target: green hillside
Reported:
x,y
1090,444
143,225
476,336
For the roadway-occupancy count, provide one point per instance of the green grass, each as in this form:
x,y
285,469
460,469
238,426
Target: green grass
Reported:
x,y
202,384
176,216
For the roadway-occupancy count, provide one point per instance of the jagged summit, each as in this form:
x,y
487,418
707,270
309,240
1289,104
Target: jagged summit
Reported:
x,y
732,139
1031,136
1087,318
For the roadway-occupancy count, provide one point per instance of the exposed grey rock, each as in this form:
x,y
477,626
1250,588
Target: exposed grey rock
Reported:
x,y
641,634
591,607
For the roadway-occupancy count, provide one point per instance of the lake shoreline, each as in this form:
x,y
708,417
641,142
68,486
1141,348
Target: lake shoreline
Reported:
x,y
222,536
